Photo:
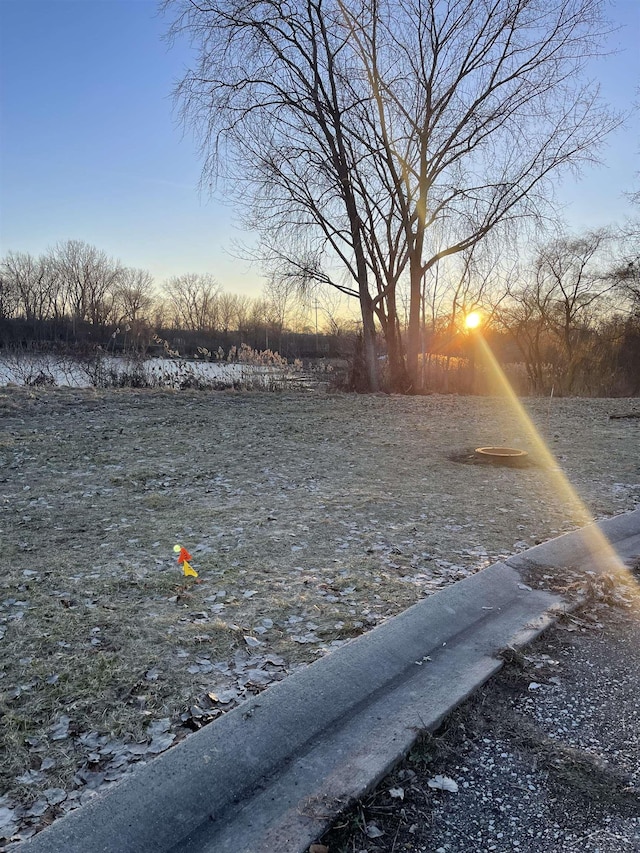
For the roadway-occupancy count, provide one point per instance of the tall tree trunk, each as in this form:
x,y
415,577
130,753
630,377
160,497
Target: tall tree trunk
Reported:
x,y
369,340
398,376
413,334
366,302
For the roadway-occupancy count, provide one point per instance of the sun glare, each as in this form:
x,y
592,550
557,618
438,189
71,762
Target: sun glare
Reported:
x,y
473,320
598,544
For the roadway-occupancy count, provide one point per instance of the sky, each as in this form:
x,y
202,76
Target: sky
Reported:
x,y
91,148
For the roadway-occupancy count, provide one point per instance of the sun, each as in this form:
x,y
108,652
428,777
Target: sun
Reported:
x,y
473,320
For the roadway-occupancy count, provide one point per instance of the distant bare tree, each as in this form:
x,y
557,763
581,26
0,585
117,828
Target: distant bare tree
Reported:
x,y
625,272
524,315
627,279
257,324
8,295
327,312
559,305
572,272
243,309
279,296
89,278
33,283
192,299
161,314
227,312
135,295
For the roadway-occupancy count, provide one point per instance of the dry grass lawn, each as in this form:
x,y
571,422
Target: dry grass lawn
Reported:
x,y
310,519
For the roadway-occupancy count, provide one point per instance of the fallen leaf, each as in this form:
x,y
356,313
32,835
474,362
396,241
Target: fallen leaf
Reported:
x,y
6,816
60,730
226,696
252,642
305,638
38,808
443,783
373,831
31,777
55,796
258,677
90,778
160,742
159,727
137,748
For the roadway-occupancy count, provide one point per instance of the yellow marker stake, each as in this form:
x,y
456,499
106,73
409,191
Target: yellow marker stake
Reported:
x,y
188,571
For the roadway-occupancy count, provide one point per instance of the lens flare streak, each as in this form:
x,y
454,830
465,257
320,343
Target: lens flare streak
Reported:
x,y
597,543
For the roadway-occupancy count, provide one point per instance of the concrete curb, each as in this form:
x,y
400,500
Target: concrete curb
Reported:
x,y
570,549
276,771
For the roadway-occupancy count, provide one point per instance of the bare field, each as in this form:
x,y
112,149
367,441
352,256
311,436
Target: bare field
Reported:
x,y
310,518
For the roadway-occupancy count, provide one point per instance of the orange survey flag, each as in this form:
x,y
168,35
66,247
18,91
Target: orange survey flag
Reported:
x,y
184,555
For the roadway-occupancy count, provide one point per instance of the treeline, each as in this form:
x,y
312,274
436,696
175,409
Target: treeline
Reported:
x,y
75,296
567,320
574,315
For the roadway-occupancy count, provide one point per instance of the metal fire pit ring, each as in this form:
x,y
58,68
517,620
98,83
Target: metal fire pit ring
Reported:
x,y
502,455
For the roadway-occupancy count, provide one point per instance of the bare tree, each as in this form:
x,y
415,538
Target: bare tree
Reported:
x,y
257,325
227,311
524,316
571,275
627,278
193,301
8,295
135,295
243,308
33,282
89,278
279,298
625,271
360,127
554,314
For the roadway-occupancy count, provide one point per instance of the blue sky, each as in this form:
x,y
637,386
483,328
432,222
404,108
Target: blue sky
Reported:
x,y
90,148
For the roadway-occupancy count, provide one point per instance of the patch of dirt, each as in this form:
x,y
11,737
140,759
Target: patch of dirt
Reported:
x,y
311,518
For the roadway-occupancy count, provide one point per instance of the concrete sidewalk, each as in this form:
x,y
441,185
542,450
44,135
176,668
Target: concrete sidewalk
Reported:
x,y
275,772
